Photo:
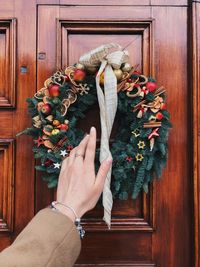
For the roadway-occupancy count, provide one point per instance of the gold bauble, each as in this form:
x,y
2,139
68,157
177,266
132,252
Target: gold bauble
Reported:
x,y
55,132
118,74
56,122
79,66
126,67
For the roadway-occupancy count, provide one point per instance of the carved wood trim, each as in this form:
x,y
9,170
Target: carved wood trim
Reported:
x,y
144,27
7,185
117,265
127,3
195,55
7,94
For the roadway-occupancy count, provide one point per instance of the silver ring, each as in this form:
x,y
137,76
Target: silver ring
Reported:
x,y
78,155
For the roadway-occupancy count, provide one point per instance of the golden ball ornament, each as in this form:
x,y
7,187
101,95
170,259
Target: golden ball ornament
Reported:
x,y
126,67
79,66
56,122
55,132
119,74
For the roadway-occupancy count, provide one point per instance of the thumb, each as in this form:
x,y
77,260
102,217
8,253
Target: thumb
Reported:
x,y
102,173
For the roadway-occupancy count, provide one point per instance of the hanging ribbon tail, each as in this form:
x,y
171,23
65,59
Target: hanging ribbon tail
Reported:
x,y
106,58
108,107
110,91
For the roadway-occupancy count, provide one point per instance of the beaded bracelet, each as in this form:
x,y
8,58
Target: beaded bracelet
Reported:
x,y
77,219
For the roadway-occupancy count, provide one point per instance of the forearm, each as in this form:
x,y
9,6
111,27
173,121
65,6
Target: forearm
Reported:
x,y
50,239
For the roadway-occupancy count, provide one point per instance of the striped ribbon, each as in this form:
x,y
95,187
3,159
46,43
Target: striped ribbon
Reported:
x,y
108,56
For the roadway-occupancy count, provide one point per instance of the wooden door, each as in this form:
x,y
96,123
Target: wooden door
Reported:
x,y
150,229
155,229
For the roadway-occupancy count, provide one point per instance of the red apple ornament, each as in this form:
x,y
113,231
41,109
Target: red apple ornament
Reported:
x,y
151,86
63,127
79,75
46,109
54,90
66,78
159,116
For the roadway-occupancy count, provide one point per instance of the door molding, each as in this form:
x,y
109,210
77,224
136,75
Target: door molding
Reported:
x,y
195,55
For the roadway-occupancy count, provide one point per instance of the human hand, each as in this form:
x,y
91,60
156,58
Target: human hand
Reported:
x,y
78,186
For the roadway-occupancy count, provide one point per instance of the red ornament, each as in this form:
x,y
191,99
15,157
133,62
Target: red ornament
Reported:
x,y
79,75
129,159
63,127
151,86
54,90
69,148
159,116
153,133
48,163
67,78
163,106
136,72
39,141
46,109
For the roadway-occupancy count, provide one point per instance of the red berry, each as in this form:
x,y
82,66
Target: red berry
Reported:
x,y
54,90
136,72
66,78
48,163
63,127
69,148
163,106
151,86
159,116
79,75
46,109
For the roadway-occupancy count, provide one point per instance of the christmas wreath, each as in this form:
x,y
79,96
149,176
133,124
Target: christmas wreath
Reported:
x,y
139,150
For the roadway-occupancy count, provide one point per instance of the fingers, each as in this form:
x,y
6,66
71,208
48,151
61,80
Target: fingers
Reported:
x,y
80,150
91,148
102,173
71,156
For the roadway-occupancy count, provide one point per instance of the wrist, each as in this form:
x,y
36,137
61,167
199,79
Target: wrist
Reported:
x,y
66,212
70,213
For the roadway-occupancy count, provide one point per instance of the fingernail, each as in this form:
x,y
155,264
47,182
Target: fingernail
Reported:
x,y
92,129
109,159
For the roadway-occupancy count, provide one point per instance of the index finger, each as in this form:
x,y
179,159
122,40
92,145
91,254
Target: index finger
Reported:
x,y
91,148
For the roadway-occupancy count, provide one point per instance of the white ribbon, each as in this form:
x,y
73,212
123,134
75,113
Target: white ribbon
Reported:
x,y
107,59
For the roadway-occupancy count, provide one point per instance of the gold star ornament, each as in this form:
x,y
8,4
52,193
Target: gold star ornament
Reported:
x,y
136,132
141,144
139,157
